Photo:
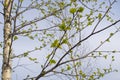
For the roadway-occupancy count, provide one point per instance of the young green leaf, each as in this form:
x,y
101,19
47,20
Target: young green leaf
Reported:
x,y
113,58
15,38
68,67
21,1
73,0
55,43
114,51
61,4
25,54
48,56
62,70
52,61
72,10
31,37
99,16
65,41
89,23
100,53
108,40
105,56
80,72
84,75
32,59
111,34
81,9
91,77
62,26
68,28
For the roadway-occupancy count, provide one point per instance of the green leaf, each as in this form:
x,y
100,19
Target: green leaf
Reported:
x,y
100,53
55,43
65,41
35,35
73,0
114,51
32,59
15,38
94,73
84,75
25,54
68,28
52,61
101,74
89,23
113,58
61,4
68,67
62,26
108,40
31,37
105,70
21,1
72,10
48,56
50,35
62,70
99,16
80,72
81,9
91,77
111,34
105,56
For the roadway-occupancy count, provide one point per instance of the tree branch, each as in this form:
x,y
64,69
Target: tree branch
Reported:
x,y
58,63
39,19
36,30
103,16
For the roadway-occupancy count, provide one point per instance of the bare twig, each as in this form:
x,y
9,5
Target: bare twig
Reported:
x,y
28,52
27,8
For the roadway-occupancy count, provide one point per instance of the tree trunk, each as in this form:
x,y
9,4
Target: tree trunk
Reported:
x,y
6,66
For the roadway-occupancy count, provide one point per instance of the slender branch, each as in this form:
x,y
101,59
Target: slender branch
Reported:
x,y
2,13
28,52
103,16
89,52
23,66
85,5
15,18
27,8
89,7
107,27
54,50
39,19
36,30
58,63
108,51
73,75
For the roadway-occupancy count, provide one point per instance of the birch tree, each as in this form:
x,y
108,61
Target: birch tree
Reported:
x,y
6,67
56,28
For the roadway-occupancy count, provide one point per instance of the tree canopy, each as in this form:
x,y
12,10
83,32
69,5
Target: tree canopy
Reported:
x,y
43,39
